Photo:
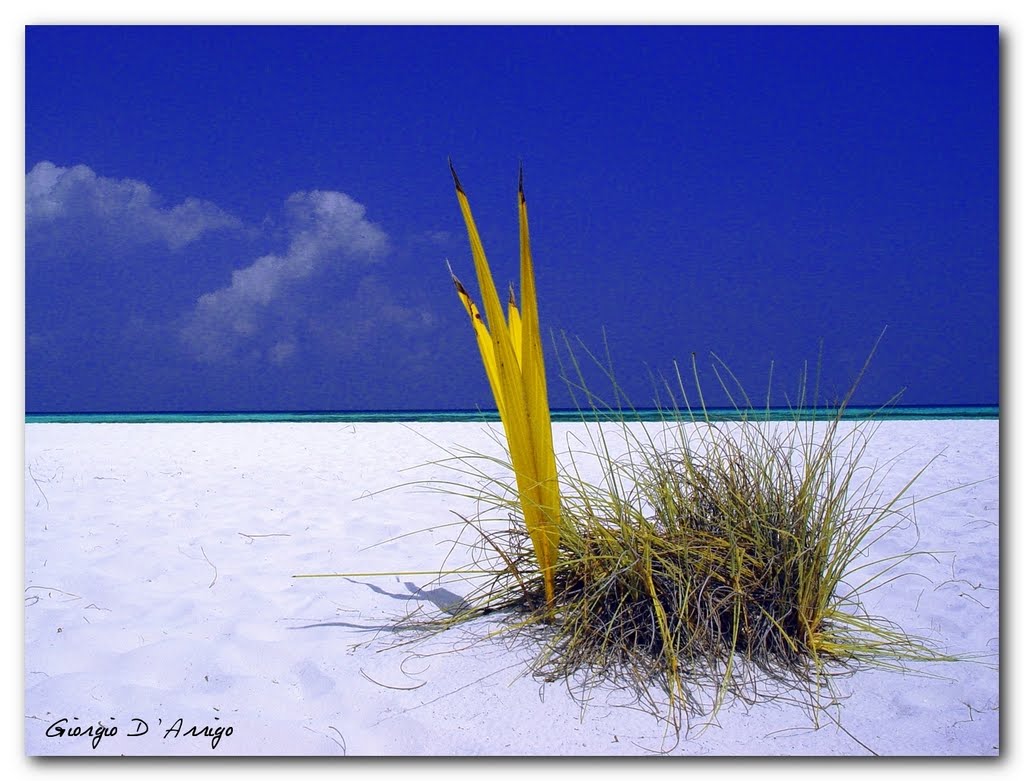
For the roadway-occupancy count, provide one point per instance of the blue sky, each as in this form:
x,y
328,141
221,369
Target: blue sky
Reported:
x,y
259,217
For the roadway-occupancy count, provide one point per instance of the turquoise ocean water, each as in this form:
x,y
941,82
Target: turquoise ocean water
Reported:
x,y
973,412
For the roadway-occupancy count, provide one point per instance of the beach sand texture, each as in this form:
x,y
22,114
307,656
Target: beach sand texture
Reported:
x,y
159,597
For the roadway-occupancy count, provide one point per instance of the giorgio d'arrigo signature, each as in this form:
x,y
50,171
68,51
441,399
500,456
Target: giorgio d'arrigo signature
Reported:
x,y
74,729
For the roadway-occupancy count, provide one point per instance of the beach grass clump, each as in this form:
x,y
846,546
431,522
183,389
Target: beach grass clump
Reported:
x,y
699,559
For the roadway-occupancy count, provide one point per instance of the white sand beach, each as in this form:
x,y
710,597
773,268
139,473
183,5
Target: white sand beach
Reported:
x,y
159,600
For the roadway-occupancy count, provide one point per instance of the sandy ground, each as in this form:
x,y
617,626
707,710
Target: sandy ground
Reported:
x,y
160,602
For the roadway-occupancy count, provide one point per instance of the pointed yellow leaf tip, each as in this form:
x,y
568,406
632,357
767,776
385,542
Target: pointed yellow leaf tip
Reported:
x,y
455,176
458,285
464,296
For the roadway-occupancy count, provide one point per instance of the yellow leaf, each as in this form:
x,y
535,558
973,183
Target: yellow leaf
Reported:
x,y
515,326
535,383
520,390
483,340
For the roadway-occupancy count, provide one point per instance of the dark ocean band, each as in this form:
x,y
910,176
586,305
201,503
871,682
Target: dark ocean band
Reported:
x,y
485,416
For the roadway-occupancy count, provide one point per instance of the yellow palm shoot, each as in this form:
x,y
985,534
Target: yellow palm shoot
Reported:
x,y
514,361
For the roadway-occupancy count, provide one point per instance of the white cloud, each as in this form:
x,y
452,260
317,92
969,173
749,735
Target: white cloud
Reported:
x,y
127,211
328,235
